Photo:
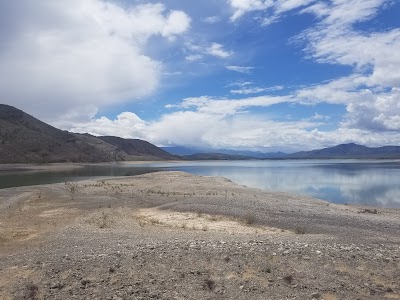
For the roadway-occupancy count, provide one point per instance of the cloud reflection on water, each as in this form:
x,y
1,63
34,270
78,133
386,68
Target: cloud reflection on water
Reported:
x,y
355,182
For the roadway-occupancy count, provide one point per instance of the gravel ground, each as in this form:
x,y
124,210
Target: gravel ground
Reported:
x,y
172,235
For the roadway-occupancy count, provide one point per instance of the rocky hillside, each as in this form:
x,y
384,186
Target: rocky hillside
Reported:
x,y
131,149
25,139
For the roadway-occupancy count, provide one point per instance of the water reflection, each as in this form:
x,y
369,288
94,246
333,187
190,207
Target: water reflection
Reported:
x,y
374,183
23,178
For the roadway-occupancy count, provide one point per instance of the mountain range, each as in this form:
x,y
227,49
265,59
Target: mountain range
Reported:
x,y
188,152
350,150
25,139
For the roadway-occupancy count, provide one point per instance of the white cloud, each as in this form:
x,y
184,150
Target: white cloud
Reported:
x,y
126,125
218,50
199,51
286,5
240,84
375,111
234,130
371,94
255,90
272,8
212,20
245,70
194,57
57,57
242,7
223,106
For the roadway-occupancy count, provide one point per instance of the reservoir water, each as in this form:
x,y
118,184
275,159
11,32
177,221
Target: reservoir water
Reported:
x,y
364,182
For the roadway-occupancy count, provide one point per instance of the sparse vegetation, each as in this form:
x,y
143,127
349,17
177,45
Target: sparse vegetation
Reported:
x,y
213,218
288,278
209,284
249,219
32,292
72,190
299,230
370,211
102,221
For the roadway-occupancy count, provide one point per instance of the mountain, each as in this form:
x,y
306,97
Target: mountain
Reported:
x,y
185,151
215,156
25,139
182,150
349,151
343,151
135,149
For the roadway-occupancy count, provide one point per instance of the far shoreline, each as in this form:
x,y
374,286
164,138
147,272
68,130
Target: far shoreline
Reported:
x,y
65,166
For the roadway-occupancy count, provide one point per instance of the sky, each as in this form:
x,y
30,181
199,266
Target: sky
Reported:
x,y
265,75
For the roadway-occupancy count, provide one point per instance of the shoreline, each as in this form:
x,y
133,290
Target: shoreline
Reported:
x,y
70,166
31,169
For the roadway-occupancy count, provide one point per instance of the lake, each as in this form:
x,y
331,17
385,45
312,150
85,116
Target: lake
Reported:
x,y
365,182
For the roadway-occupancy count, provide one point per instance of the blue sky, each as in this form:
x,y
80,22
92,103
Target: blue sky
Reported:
x,y
263,75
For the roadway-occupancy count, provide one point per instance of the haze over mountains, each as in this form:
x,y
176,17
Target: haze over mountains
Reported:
x,y
25,139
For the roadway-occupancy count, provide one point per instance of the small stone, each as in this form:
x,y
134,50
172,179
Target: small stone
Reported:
x,y
58,286
316,295
241,287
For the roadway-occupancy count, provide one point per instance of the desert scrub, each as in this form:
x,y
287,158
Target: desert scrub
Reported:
x,y
102,221
300,230
249,219
288,278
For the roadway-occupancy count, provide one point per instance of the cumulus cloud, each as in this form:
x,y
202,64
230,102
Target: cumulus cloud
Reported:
x,y
219,129
126,125
58,57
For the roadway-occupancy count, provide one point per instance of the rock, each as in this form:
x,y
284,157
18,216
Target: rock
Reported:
x,y
315,295
58,285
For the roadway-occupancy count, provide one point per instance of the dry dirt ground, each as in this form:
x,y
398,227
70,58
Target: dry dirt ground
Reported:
x,y
171,235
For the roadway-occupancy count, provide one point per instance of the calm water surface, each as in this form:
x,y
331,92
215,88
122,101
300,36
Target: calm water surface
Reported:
x,y
367,182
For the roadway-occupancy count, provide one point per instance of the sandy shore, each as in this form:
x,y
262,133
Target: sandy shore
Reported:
x,y
172,235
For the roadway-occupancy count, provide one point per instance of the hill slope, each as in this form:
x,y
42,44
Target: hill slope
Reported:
x,y
131,149
25,139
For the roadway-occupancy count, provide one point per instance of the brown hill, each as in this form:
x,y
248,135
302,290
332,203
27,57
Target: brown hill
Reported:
x,y
25,139
135,149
